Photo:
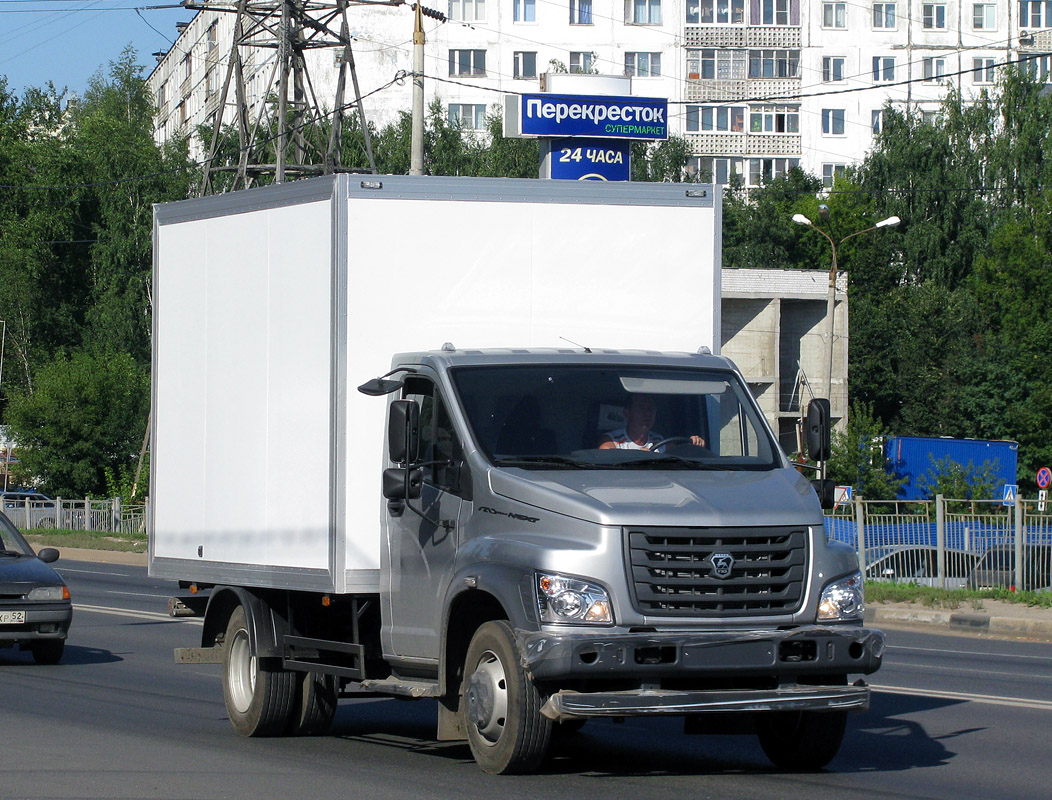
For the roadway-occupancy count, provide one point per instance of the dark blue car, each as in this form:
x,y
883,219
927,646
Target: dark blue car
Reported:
x,y
35,607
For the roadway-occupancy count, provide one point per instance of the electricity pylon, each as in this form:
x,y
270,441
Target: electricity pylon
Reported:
x,y
289,27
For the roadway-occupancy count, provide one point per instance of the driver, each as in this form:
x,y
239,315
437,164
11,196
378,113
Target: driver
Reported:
x,y
637,433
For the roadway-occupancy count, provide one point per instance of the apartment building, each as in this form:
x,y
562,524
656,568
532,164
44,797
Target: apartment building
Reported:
x,y
756,86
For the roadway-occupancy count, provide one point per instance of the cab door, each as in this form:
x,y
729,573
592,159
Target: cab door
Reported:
x,y
423,543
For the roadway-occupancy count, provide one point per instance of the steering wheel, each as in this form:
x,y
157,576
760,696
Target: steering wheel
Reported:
x,y
670,440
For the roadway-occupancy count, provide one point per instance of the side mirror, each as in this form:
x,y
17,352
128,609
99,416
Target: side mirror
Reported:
x,y
402,483
817,430
48,555
403,431
826,491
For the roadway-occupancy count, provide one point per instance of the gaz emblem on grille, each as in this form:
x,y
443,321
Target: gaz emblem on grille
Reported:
x,y
721,565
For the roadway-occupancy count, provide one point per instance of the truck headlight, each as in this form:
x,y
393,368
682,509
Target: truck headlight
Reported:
x,y
569,600
843,599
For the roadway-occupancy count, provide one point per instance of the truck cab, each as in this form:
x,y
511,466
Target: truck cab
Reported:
x,y
685,576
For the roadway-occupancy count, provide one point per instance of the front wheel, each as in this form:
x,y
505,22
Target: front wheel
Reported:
x,y
259,701
801,741
505,728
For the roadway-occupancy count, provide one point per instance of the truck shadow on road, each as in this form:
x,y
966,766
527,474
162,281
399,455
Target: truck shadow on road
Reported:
x,y
887,738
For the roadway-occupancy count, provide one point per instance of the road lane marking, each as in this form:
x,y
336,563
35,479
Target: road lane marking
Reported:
x,y
965,652
988,699
965,670
125,612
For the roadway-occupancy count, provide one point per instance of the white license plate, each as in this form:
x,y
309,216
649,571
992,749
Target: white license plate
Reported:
x,y
12,617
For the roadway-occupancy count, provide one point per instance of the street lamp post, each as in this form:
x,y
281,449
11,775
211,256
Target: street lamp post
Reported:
x,y
800,219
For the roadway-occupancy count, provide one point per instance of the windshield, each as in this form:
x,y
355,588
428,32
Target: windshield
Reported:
x,y
609,417
11,541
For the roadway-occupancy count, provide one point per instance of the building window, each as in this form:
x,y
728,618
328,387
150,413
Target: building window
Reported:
x,y
188,67
162,95
582,62
180,113
524,10
774,119
643,12
1038,67
715,12
765,170
983,70
984,16
774,12
877,120
716,119
830,172
833,121
933,16
934,68
884,15
213,35
468,10
643,65
580,12
467,62
774,63
834,15
211,79
1035,13
720,65
715,170
930,117
883,69
471,116
832,69
525,64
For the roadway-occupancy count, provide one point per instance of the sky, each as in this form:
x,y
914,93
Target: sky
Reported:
x,y
68,41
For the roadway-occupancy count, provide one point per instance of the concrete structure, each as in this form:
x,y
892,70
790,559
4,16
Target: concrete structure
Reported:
x,y
757,86
773,328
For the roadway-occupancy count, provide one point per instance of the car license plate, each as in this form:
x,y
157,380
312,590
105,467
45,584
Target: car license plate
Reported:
x,y
12,617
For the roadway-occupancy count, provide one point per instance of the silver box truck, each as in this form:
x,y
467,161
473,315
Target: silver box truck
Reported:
x,y
467,439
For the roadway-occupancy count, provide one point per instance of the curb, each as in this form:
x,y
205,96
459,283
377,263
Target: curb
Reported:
x,y
961,622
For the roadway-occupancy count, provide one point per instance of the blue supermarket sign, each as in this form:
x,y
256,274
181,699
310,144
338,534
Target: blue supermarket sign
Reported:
x,y
581,159
594,115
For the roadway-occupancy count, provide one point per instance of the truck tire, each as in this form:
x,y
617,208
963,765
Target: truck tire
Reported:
x,y
259,700
506,731
47,651
801,741
315,704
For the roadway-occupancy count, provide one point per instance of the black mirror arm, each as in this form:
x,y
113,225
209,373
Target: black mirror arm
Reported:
x,y
446,524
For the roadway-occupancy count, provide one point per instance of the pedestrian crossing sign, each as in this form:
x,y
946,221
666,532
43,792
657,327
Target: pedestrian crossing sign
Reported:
x,y
1011,490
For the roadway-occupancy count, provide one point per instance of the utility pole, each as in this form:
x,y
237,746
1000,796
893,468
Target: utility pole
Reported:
x,y
293,131
416,153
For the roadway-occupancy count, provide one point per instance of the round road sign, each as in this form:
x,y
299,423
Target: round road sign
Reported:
x,y
1044,477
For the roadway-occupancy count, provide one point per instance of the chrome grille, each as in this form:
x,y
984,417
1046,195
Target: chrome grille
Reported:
x,y
673,574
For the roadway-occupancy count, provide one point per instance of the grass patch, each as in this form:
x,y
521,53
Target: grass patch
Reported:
x,y
88,540
953,599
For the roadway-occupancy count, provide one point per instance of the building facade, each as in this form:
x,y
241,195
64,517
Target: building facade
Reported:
x,y
756,86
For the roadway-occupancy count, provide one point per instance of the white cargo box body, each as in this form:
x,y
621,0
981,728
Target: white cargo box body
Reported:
x,y
272,305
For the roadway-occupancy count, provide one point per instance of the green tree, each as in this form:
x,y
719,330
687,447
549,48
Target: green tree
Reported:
x,y
955,481
858,456
85,417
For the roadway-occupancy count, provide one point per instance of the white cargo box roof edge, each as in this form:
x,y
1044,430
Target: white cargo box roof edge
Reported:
x,y
403,187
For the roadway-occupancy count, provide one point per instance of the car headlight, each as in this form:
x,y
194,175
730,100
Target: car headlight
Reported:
x,y
569,600
48,593
843,599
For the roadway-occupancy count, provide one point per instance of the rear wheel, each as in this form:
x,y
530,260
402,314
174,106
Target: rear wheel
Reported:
x,y
801,740
505,728
315,704
259,699
48,651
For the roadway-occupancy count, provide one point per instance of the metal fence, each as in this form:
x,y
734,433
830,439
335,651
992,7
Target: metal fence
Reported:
x,y
949,543
103,516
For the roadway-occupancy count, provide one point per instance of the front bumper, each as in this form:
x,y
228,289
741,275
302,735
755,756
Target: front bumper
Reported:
x,y
570,705
812,650
43,621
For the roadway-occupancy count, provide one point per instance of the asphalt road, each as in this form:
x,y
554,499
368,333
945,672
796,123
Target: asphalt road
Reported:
x,y
952,717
